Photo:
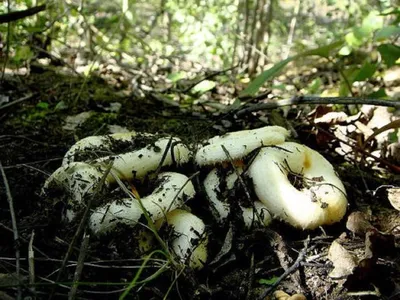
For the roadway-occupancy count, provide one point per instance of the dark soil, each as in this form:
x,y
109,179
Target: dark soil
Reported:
x,y
33,142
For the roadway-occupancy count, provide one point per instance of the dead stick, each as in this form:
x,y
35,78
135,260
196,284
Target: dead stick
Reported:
x,y
79,266
296,100
289,271
15,229
27,97
81,226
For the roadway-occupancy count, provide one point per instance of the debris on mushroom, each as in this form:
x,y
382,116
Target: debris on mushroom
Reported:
x,y
72,183
172,190
139,163
101,145
77,179
215,181
239,144
298,185
189,237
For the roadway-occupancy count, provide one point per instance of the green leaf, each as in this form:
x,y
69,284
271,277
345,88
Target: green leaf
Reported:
x,y
346,83
175,77
42,105
381,93
23,53
315,86
366,71
387,32
204,86
257,83
345,50
324,51
268,281
390,53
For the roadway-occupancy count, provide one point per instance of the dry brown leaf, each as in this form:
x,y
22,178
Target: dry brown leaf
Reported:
x,y
343,262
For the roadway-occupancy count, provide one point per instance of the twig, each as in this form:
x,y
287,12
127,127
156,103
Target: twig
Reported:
x,y
79,266
296,100
31,263
289,271
245,188
16,15
25,240
81,225
27,97
15,228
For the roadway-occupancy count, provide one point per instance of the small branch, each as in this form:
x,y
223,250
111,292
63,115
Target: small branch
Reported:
x,y
79,266
289,271
14,225
308,100
31,262
81,225
16,15
27,97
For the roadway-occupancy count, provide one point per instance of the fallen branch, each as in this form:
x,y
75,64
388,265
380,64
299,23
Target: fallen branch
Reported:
x,y
289,271
15,228
308,100
16,15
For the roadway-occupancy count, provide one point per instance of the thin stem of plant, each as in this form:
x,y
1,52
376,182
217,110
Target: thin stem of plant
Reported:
x,y
15,228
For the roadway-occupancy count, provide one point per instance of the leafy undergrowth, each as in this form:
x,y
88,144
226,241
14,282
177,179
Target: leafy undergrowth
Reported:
x,y
353,259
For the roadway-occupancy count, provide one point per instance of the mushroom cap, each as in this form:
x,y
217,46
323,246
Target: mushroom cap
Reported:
x,y
319,198
73,182
172,190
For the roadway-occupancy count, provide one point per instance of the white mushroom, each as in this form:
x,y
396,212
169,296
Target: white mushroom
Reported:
x,y
139,163
172,190
312,196
73,182
190,240
100,145
239,144
221,208
77,179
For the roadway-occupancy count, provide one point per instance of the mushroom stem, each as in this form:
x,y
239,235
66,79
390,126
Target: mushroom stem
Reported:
x,y
139,163
239,144
315,196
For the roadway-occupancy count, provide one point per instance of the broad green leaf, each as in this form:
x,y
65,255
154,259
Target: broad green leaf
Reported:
x,y
42,105
23,53
315,86
324,51
387,32
345,50
174,77
372,22
346,80
257,83
390,53
366,71
204,86
268,281
381,93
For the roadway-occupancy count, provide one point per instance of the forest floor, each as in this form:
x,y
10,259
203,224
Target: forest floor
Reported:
x,y
57,110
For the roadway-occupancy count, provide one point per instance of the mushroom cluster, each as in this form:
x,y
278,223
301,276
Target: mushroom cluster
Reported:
x,y
291,182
